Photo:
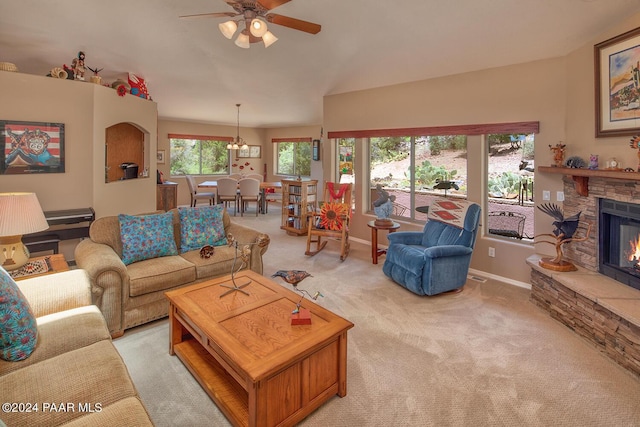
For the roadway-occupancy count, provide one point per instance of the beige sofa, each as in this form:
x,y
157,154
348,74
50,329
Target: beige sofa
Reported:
x,y
130,295
75,376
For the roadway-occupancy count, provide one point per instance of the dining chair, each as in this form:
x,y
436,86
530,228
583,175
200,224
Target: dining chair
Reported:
x,y
228,192
255,176
195,196
249,192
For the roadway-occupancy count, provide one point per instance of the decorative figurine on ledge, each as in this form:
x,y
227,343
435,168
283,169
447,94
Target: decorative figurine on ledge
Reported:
x,y
593,162
576,162
78,66
96,78
558,154
383,206
565,229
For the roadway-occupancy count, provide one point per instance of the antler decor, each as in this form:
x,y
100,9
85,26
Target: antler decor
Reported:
x,y
261,241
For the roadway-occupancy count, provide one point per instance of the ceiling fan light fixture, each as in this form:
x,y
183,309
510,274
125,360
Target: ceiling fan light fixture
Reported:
x,y
258,27
243,40
268,39
228,28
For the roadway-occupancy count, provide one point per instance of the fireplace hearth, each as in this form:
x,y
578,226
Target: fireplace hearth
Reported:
x,y
619,241
604,310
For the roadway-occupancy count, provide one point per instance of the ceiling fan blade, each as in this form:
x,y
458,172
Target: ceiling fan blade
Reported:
x,y
210,15
296,24
272,4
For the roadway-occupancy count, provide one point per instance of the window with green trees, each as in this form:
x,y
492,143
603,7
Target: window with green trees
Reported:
x,y
199,156
510,173
417,169
294,158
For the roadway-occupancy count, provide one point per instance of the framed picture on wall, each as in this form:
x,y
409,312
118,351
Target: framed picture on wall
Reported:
x,y
617,75
31,147
160,154
253,151
315,153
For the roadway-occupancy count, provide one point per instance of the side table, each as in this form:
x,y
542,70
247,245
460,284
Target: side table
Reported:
x,y
35,267
375,252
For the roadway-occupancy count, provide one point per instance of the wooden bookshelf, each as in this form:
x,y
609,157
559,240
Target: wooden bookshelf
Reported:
x,y
299,198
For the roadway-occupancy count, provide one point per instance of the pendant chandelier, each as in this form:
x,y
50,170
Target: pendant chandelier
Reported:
x,y
238,142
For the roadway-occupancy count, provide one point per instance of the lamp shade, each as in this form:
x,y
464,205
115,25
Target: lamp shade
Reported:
x,y
228,28
20,213
243,40
258,27
268,39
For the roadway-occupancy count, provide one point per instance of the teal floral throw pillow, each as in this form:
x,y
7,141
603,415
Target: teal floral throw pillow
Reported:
x,y
18,328
146,236
201,226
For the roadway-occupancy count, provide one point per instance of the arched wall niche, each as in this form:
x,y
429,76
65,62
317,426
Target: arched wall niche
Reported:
x,y
126,143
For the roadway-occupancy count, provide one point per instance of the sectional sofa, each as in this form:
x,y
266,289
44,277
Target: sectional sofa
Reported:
x,y
73,375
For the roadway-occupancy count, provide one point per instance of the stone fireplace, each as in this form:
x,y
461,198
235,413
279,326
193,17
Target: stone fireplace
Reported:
x,y
600,301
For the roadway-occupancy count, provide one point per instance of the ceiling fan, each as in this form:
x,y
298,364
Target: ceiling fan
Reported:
x,y
255,14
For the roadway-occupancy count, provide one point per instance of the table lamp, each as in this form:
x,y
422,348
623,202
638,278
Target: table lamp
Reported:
x,y
20,213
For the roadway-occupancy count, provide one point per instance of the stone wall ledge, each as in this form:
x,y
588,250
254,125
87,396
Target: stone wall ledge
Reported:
x,y
620,299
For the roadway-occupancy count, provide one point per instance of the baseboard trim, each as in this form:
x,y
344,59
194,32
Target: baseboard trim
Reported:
x,y
474,272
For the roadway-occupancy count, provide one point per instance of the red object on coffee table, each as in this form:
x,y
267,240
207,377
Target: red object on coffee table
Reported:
x,y
302,317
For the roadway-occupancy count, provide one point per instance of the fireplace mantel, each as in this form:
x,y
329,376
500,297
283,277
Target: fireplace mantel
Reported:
x,y
581,176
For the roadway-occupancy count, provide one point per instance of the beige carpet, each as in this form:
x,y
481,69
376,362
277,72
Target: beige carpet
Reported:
x,y
484,356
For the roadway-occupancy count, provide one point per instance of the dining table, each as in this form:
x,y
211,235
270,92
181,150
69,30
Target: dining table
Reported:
x,y
264,187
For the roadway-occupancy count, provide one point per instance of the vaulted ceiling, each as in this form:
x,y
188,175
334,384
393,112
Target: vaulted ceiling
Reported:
x,y
196,74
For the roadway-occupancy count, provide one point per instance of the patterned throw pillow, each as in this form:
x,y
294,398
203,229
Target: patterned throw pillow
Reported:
x,y
146,236
201,226
18,328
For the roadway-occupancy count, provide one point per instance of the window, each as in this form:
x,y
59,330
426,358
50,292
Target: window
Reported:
x,y
199,155
293,157
418,169
346,152
510,203
418,164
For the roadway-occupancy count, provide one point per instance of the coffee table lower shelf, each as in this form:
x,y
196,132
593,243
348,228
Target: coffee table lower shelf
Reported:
x,y
233,400
228,395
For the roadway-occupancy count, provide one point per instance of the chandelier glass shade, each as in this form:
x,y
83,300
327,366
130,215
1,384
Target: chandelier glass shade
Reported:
x,y
268,39
258,27
228,29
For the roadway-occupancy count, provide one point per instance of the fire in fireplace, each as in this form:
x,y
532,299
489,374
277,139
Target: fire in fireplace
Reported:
x,y
619,241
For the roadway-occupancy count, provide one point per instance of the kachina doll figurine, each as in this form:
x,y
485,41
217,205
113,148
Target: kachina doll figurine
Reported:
x,y
558,154
78,66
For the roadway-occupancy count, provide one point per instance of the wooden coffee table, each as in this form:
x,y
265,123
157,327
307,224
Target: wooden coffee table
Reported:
x,y
258,368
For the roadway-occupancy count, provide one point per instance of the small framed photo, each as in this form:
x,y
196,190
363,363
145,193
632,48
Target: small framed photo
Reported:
x,y
160,157
617,75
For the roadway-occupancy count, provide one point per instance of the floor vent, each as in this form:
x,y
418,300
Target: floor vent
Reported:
x,y
478,279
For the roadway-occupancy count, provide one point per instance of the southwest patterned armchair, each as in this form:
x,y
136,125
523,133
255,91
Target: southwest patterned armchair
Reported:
x,y
437,259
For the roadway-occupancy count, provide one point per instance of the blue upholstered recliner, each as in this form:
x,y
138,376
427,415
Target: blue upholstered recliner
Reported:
x,y
437,259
